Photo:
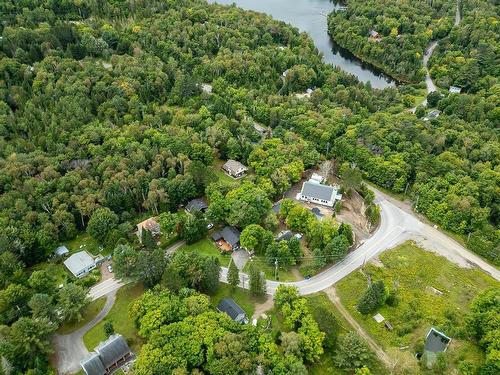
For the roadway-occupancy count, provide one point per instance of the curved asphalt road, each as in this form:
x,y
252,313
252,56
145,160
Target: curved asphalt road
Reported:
x,y
398,224
70,349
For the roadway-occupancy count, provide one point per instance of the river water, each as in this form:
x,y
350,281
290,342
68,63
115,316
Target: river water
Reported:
x,y
311,16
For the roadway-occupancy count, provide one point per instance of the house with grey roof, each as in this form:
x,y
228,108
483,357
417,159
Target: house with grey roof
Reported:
x,y
61,251
234,168
455,90
314,192
435,113
107,357
285,235
231,308
262,130
227,239
198,204
435,342
80,264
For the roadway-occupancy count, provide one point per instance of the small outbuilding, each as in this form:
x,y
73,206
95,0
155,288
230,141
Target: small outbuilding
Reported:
x,y
231,308
455,90
262,130
374,36
198,204
285,235
61,251
80,264
434,114
206,88
435,342
234,168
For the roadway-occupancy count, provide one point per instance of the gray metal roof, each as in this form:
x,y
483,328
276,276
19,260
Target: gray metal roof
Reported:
x,y
231,308
78,262
230,234
436,341
324,192
198,204
93,365
61,250
234,166
112,350
285,235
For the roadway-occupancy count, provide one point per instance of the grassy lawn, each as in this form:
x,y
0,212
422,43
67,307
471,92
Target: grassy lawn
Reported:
x,y
318,303
84,241
242,297
120,319
62,276
419,278
269,270
88,313
206,247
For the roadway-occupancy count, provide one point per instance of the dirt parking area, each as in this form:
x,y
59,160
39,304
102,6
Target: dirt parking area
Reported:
x,y
105,274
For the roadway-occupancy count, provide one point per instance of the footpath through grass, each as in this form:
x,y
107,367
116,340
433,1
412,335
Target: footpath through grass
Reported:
x,y
120,319
89,312
430,292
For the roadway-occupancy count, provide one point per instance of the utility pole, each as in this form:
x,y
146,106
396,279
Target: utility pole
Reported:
x,y
276,268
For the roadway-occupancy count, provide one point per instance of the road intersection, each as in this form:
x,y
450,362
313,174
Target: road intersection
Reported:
x,y
397,225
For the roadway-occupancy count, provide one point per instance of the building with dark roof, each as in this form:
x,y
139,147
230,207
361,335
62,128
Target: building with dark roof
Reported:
x,y
285,235
227,239
198,204
317,212
108,356
231,308
435,342
93,365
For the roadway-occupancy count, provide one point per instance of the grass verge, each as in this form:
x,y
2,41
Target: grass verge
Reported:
x,y
206,247
89,312
120,319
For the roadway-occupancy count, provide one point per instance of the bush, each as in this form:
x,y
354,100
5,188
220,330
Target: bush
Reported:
x,y
373,298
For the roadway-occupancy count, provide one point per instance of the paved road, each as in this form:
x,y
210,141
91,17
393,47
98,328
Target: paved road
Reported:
x,y
398,224
70,349
104,288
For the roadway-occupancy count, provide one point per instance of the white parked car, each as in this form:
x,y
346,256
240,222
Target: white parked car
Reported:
x,y
210,225
110,268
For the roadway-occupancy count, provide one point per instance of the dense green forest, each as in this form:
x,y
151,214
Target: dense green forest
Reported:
x,y
103,121
405,29
468,56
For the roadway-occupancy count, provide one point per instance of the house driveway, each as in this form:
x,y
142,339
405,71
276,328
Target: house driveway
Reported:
x,y
240,258
70,349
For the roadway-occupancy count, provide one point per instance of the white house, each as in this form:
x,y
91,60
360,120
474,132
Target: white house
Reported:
x,y
315,192
80,264
234,168
455,90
